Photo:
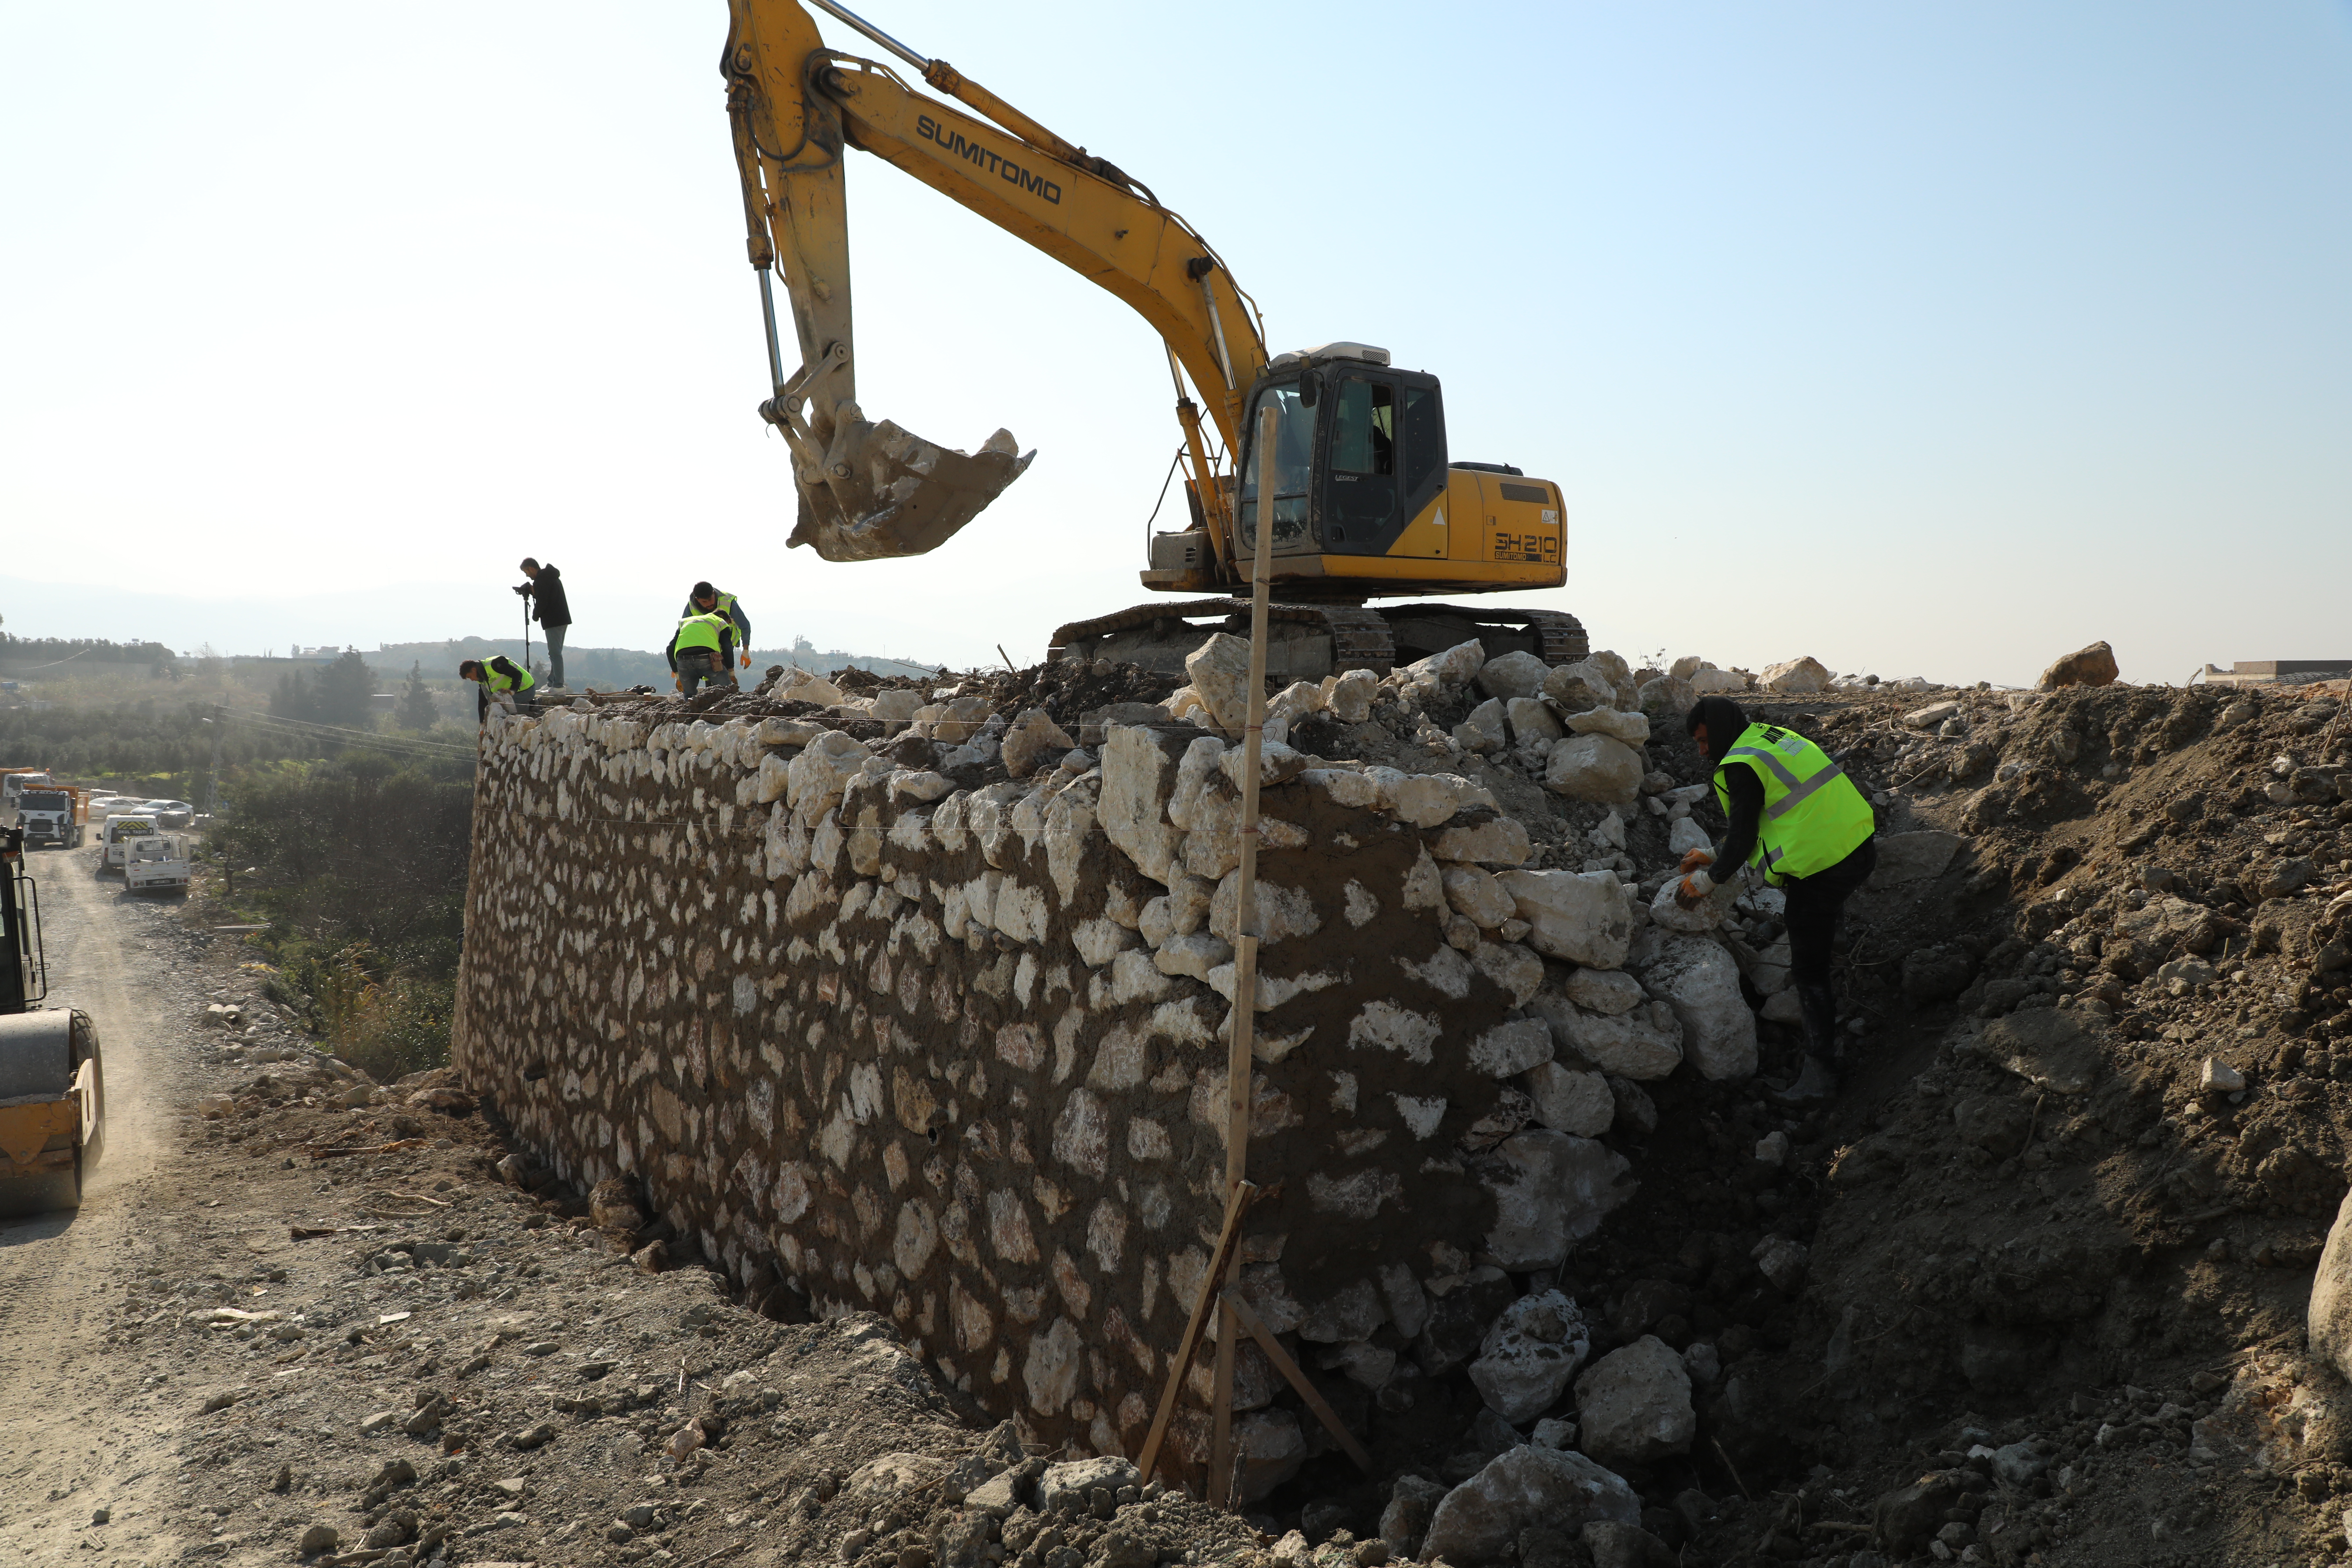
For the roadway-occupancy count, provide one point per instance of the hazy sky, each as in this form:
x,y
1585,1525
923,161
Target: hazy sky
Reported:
x,y
1923,339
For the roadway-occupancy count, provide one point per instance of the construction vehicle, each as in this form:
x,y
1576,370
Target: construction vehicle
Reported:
x,y
52,1086
58,815
1366,504
158,862
114,840
14,782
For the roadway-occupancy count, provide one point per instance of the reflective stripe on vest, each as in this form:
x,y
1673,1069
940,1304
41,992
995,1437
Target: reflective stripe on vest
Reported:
x,y
702,632
1814,815
498,682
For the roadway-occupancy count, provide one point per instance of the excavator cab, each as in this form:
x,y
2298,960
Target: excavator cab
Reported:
x,y
1362,471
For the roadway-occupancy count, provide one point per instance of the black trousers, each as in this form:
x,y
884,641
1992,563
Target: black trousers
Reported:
x,y
1815,902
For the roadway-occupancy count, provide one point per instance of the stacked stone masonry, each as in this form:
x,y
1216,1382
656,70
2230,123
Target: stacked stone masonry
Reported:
x,y
958,1056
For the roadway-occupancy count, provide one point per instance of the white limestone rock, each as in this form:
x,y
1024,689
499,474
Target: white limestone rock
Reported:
x,y
1551,1190
1529,1355
1593,768
1634,1405
1219,671
1700,982
1579,916
1513,675
1640,1045
1568,1099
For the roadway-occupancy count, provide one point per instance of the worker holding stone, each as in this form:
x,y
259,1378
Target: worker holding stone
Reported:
x,y
1796,816
706,600
701,649
500,674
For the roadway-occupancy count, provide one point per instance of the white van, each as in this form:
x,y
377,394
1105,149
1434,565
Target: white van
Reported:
x,y
114,839
155,860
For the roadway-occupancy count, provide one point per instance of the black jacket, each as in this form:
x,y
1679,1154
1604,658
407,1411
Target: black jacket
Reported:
x,y
550,607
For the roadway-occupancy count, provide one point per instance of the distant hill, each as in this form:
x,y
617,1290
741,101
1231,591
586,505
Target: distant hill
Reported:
x,y
609,667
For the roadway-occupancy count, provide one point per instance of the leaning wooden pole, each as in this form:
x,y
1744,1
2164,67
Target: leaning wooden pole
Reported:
x,y
1245,932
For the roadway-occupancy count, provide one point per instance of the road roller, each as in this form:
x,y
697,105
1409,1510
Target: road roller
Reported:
x,y
52,1089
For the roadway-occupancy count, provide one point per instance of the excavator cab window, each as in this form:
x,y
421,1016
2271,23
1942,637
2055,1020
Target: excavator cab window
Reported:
x,y
1294,468
1361,497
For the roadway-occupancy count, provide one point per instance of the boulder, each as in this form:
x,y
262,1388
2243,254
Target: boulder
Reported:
x,y
1551,1190
1532,720
1914,856
1608,991
1632,729
1482,732
1579,916
1219,671
1642,1045
1271,1448
1665,698
1684,834
1405,1520
2092,666
1569,1100
1459,1317
1796,674
1451,669
1137,780
1513,675
1708,680
1026,741
2328,1318
1575,687
1477,894
1348,696
1595,768
1634,1405
1526,1485
1704,916
1529,1356
1701,981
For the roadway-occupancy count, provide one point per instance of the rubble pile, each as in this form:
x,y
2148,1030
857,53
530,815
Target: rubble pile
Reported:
x,y
911,1000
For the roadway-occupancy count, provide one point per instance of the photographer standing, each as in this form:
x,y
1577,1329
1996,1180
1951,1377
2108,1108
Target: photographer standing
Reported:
x,y
550,609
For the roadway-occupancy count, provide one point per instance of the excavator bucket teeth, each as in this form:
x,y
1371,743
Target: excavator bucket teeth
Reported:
x,y
881,491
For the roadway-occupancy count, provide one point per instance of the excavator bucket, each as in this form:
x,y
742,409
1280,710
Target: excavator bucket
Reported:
x,y
878,491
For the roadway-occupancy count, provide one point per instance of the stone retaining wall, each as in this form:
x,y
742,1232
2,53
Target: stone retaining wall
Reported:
x,y
958,1056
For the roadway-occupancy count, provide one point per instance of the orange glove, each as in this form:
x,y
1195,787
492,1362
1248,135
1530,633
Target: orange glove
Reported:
x,y
1694,860
677,682
746,661
1695,887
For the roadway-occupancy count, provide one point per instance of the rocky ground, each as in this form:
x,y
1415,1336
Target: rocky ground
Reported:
x,y
2032,1288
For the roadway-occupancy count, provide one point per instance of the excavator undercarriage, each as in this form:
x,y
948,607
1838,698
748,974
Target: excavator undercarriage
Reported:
x,y
1307,642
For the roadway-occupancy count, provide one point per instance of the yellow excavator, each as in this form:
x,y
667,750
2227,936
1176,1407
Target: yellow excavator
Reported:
x,y
1366,503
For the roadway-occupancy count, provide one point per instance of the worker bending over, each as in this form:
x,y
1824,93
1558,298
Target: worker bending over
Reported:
x,y
707,600
701,649
500,674
1794,814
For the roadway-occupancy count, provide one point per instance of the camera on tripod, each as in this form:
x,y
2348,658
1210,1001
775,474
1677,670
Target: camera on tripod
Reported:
x,y
523,589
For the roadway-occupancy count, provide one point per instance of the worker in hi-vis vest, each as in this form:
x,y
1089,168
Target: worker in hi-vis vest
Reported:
x,y
701,649
706,600
1795,816
500,675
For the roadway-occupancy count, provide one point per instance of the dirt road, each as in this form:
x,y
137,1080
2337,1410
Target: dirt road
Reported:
x,y
77,1437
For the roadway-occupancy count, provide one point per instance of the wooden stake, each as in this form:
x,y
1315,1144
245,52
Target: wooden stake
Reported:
x,y
1227,1239
1242,1309
1238,1053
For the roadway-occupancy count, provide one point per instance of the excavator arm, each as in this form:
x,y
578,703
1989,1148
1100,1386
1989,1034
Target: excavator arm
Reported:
x,y
869,491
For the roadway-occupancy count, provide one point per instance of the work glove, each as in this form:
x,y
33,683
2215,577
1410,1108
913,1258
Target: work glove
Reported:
x,y
1694,860
746,661
677,682
1695,888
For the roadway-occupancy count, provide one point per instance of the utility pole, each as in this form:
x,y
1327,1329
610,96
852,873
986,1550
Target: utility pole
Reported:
x,y
212,773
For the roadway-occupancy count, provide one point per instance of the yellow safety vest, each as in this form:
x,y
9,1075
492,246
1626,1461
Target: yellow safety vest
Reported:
x,y
1813,817
702,632
498,682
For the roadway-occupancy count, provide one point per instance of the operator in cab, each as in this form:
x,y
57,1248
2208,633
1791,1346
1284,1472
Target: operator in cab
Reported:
x,y
1796,816
706,600
501,674
702,649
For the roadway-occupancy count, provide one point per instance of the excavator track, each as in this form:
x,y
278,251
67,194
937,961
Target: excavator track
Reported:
x,y
1159,635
